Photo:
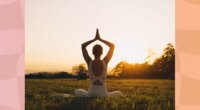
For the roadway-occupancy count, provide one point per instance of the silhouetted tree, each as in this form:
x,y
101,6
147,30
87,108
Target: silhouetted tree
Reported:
x,y
166,63
81,71
162,67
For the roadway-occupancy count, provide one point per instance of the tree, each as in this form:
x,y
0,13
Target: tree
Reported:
x,y
165,64
80,71
151,56
169,60
163,67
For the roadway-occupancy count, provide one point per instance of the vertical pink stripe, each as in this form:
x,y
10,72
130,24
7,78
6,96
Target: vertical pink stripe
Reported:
x,y
12,55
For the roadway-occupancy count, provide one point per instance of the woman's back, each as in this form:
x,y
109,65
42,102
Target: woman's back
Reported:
x,y
97,69
97,74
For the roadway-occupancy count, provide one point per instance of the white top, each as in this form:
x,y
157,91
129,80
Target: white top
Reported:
x,y
97,90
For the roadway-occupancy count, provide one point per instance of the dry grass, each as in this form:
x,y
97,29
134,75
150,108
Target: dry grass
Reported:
x,y
138,95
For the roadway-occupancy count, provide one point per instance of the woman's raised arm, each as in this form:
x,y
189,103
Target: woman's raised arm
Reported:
x,y
84,50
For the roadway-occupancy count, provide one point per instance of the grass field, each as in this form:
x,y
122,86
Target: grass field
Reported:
x,y
138,95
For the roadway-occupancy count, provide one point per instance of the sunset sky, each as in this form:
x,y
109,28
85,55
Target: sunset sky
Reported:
x,y
55,30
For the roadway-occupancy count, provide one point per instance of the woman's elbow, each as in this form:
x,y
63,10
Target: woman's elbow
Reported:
x,y
112,46
83,45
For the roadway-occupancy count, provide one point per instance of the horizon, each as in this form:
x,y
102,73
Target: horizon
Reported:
x,y
109,69
56,31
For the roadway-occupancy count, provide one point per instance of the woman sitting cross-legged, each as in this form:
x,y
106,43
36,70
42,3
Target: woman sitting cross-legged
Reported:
x,y
97,70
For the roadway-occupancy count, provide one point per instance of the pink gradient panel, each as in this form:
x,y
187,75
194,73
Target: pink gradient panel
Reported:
x,y
187,55
12,55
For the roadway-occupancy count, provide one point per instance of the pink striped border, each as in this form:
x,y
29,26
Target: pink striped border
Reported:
x,y
12,55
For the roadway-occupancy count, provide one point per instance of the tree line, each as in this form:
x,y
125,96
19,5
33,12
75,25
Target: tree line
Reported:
x,y
163,67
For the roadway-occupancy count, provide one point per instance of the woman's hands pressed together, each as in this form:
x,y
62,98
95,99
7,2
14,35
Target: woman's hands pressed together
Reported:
x,y
97,37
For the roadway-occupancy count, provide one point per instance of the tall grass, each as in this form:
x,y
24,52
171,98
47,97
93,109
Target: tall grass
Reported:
x,y
138,95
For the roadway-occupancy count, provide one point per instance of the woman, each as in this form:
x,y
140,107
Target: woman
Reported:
x,y
97,69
